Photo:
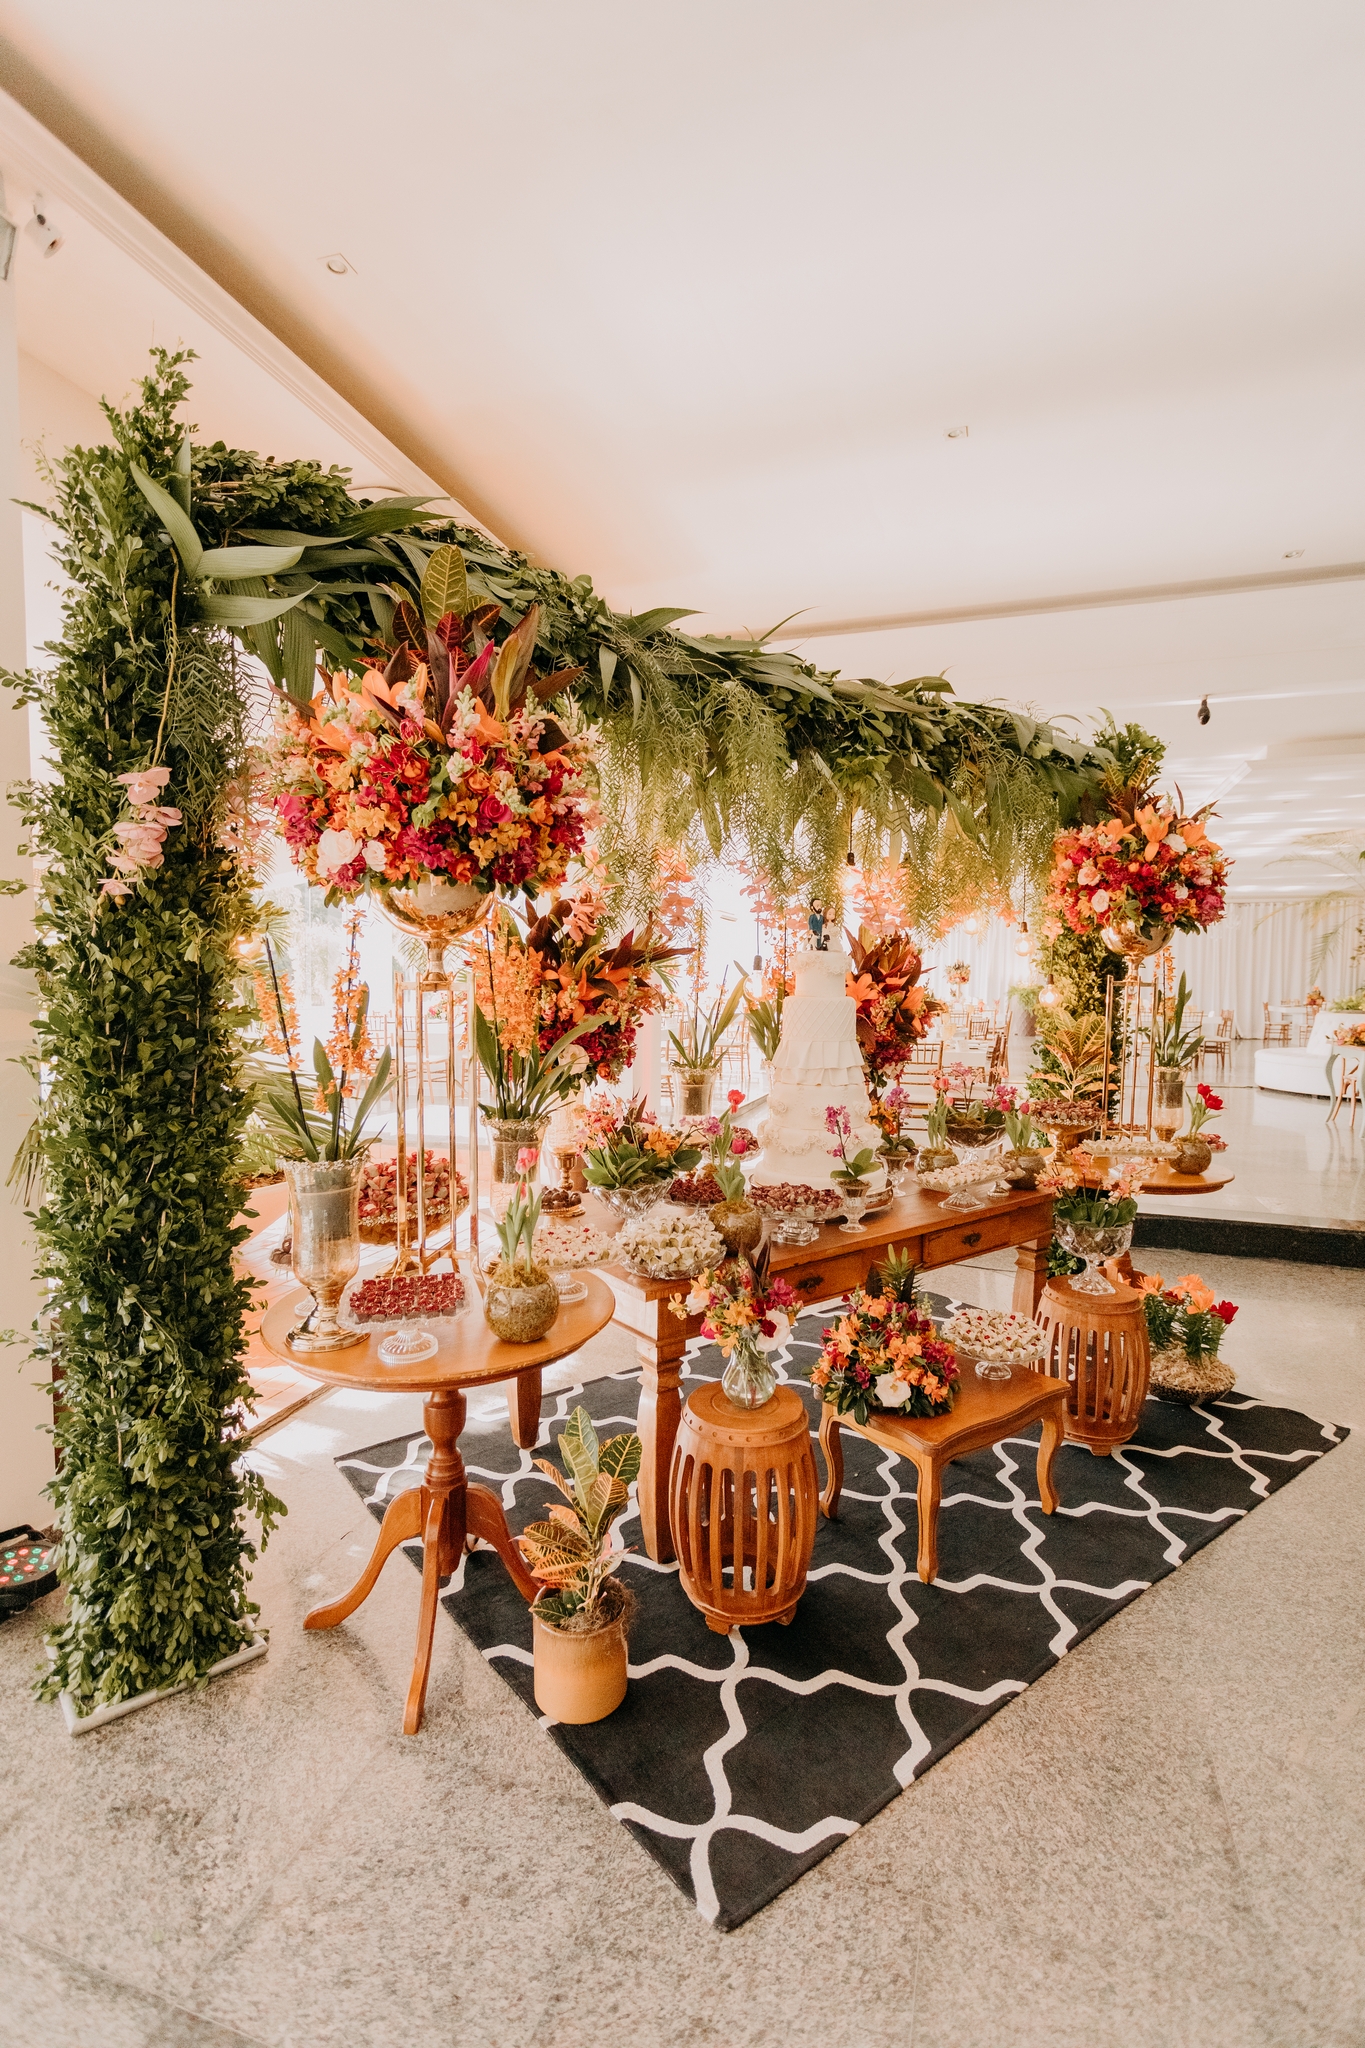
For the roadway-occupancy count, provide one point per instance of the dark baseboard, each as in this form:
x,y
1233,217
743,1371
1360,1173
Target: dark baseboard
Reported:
x,y
1302,1244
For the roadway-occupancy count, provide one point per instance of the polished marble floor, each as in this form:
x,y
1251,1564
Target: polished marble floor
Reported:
x,y
1160,1845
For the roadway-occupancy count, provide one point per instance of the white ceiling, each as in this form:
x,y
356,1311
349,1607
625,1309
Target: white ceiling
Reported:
x,y
689,298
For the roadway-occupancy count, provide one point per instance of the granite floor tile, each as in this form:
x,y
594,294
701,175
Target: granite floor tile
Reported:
x,y
47,2000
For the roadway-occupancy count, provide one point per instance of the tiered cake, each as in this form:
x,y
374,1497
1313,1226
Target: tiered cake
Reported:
x,y
817,1063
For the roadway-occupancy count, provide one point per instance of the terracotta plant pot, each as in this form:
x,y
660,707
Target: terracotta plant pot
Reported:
x,y
582,1677
739,1223
1194,1156
520,1314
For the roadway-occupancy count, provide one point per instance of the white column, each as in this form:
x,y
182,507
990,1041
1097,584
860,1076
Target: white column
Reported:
x,y
26,1459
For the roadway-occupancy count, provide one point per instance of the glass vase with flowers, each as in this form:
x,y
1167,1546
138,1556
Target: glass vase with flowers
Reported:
x,y
528,1084
698,1047
974,1120
1093,1223
748,1312
851,1174
322,1149
888,1112
629,1157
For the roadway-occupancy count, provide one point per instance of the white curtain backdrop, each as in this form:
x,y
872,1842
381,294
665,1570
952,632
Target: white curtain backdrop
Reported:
x,y
1249,959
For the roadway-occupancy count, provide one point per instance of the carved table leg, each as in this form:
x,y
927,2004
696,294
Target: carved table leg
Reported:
x,y
659,1415
1030,1277
523,1408
928,1494
443,1510
832,1444
1054,1430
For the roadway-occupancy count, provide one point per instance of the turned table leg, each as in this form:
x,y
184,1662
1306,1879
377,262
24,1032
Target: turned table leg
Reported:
x,y
928,1494
1030,1277
832,1445
523,1408
1054,1431
659,1415
443,1510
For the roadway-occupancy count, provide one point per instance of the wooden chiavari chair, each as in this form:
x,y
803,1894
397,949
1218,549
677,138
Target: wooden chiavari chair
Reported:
x,y
1275,1030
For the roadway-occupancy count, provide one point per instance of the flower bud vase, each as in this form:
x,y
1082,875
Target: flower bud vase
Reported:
x,y
696,1086
748,1379
1168,1101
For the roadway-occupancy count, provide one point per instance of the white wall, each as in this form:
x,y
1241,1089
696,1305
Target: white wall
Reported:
x,y
25,1403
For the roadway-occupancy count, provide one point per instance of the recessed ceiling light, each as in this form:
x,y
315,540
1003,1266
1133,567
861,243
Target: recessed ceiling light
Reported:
x,y
1292,554
955,433
339,265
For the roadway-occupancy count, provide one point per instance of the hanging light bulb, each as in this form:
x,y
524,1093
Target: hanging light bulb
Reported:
x,y
972,925
758,963
1050,995
1023,945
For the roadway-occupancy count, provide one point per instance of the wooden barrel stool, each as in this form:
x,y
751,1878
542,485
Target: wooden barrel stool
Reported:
x,y
742,1504
1098,1344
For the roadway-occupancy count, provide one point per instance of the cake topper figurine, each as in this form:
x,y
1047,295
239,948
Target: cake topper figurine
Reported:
x,y
816,921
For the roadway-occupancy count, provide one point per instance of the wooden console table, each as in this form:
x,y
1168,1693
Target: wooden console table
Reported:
x,y
917,1223
445,1510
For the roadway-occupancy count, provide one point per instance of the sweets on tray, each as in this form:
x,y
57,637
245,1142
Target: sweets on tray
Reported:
x,y
782,1197
407,1294
697,1189
994,1333
378,1208
560,1202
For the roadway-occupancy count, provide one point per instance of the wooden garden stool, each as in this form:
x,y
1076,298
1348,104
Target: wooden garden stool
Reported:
x,y
985,1412
1097,1345
742,1506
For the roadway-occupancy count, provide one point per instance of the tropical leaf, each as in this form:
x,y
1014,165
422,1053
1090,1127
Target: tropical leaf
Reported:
x,y
298,651
445,586
514,659
620,1456
553,1472
246,611
578,1448
229,565
177,523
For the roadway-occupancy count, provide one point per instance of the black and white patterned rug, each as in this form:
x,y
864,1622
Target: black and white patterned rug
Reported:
x,y
740,1761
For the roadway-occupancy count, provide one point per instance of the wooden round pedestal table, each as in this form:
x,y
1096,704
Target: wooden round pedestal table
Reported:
x,y
445,1510
1098,1344
742,1502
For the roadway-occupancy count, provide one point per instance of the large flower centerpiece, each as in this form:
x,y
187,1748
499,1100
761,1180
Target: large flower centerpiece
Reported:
x,y
895,1010
442,763
748,1312
883,1356
1137,875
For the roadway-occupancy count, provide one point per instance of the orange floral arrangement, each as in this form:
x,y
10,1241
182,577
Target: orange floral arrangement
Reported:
x,y
894,1009
566,971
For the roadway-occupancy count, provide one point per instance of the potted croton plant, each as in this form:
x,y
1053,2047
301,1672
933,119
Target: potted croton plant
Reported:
x,y
579,1619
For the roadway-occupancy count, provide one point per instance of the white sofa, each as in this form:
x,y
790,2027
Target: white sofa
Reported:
x,y
1300,1069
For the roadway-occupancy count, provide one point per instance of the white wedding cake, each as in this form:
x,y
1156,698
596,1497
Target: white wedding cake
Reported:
x,y
817,1063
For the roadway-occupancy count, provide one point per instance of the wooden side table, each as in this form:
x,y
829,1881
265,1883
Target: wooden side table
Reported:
x,y
917,1222
1098,1349
445,1510
984,1412
741,1495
